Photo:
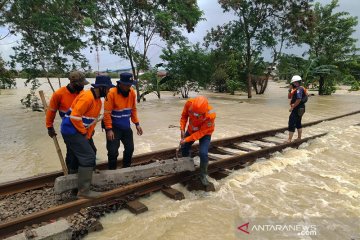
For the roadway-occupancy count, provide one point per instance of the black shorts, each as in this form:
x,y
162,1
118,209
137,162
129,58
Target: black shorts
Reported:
x,y
295,119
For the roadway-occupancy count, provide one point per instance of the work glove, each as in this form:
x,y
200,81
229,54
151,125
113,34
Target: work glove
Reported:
x,y
51,132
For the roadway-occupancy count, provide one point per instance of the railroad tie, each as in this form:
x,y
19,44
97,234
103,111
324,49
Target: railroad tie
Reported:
x,y
223,151
215,157
245,149
173,193
219,174
262,143
270,141
136,207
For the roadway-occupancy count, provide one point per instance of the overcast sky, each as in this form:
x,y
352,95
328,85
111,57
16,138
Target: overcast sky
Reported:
x,y
214,16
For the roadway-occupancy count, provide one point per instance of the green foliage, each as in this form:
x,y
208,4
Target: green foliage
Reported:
x,y
128,28
151,82
350,68
31,100
51,34
339,25
348,80
290,65
6,77
329,86
259,24
326,52
51,40
355,86
218,79
188,68
232,86
224,66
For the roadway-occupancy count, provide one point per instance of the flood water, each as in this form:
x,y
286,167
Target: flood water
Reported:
x,y
316,187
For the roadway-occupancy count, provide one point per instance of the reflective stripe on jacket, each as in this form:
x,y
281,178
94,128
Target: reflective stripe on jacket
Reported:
x,y
61,101
198,125
119,109
82,115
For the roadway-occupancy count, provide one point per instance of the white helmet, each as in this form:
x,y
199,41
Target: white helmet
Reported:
x,y
295,78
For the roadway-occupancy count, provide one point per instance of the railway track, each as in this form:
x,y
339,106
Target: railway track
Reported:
x,y
47,179
224,154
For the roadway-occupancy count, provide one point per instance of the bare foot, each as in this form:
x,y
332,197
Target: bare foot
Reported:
x,y
298,139
288,141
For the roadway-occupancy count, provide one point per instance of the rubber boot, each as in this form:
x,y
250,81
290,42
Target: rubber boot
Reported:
x,y
84,182
74,191
112,165
203,174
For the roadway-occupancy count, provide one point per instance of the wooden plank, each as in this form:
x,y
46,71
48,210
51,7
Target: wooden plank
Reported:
x,y
136,207
173,193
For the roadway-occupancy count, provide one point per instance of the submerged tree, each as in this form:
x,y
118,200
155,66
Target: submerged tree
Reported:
x,y
227,58
151,82
330,42
188,68
257,25
6,77
50,36
131,27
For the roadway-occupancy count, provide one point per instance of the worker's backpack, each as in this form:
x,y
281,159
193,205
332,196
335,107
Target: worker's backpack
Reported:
x,y
305,97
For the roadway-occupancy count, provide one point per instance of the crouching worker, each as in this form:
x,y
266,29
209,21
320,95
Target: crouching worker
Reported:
x,y
77,128
201,125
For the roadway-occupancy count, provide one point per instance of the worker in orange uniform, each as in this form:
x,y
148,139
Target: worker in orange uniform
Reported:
x,y
61,101
201,124
118,110
78,126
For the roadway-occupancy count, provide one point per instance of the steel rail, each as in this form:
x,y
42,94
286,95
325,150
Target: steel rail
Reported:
x,y
140,188
47,179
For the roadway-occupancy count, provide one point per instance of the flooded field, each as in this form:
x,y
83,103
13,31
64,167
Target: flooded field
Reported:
x,y
317,184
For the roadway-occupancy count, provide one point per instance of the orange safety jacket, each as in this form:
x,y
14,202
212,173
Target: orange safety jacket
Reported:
x,y
292,92
60,100
82,116
199,125
118,110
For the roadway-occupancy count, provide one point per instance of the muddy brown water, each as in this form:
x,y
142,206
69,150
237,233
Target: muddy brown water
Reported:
x,y
315,187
